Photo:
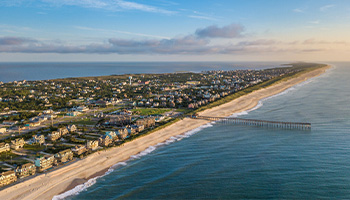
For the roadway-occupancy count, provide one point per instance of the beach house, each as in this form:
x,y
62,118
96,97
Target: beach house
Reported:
x,y
79,149
123,133
147,122
63,131
64,156
25,170
112,135
7,178
105,140
45,162
17,143
54,135
92,145
38,139
4,147
72,128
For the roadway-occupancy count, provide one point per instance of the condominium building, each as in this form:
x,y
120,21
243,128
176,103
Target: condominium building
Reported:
x,y
7,178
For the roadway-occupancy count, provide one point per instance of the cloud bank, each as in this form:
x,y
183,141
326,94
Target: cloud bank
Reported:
x,y
198,43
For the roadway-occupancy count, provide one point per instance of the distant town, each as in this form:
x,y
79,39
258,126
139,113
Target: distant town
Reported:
x,y
47,124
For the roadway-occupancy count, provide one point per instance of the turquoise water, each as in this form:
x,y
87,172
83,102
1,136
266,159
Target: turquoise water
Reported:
x,y
225,161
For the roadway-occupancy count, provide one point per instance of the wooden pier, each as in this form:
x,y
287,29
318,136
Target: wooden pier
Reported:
x,y
254,122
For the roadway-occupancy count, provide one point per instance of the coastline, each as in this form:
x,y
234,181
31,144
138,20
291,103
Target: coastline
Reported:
x,y
45,186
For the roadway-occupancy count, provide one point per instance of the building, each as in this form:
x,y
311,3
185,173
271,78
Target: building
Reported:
x,y
64,156
4,147
131,130
7,178
45,162
38,139
9,122
73,114
82,109
72,128
25,170
17,143
147,122
140,128
78,150
63,131
119,120
3,130
112,135
123,133
105,141
54,135
92,145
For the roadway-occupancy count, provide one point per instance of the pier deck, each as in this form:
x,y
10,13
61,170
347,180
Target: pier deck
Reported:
x,y
255,122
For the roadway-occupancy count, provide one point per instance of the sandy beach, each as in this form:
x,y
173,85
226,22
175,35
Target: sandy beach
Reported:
x,y
45,186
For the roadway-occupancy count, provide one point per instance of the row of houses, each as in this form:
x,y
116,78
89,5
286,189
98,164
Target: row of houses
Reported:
x,y
41,164
55,135
15,145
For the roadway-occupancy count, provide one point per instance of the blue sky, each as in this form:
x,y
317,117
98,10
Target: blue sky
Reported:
x,y
162,30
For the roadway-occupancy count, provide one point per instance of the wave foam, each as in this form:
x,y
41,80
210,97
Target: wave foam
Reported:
x,y
82,187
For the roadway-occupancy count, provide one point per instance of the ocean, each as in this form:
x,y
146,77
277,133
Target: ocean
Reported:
x,y
42,71
225,161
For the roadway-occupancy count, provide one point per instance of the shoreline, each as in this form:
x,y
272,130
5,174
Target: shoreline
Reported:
x,y
45,186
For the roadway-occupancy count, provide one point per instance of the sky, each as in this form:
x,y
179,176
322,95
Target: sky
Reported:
x,y
174,30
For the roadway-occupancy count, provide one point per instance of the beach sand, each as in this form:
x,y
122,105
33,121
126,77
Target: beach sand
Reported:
x,y
47,185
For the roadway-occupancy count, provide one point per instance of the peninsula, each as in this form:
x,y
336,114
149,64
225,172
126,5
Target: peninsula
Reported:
x,y
80,127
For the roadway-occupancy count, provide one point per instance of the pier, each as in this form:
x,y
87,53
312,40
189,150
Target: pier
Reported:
x,y
255,122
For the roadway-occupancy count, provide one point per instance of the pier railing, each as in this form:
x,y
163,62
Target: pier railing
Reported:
x,y
255,122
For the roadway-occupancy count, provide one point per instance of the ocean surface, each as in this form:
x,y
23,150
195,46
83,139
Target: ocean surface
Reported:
x,y
42,71
223,161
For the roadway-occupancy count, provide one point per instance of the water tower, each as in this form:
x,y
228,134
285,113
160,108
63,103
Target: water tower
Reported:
x,y
130,77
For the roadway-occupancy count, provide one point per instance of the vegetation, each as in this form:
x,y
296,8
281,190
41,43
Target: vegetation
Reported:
x,y
150,111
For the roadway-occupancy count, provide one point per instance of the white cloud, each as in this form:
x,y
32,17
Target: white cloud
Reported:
x,y
119,31
326,7
314,22
298,10
113,5
203,17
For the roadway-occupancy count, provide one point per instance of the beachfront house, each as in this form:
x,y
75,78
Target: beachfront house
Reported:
x,y
7,178
25,170
140,128
105,140
64,156
123,133
44,162
147,122
79,149
4,147
17,143
131,130
112,135
92,145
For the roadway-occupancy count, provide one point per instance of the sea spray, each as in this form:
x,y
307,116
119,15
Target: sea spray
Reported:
x,y
79,188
